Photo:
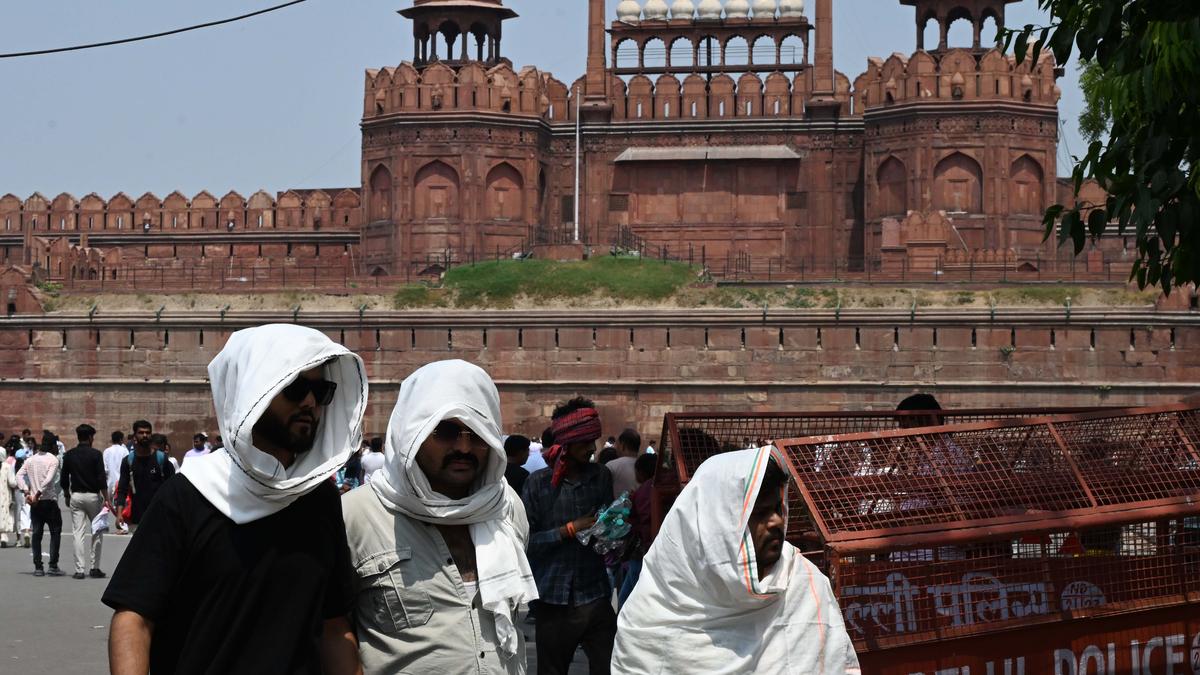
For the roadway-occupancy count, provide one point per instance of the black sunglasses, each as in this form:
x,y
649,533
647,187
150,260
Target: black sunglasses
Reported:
x,y
449,432
322,391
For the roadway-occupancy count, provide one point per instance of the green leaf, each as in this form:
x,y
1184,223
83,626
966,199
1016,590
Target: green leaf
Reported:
x,y
1097,222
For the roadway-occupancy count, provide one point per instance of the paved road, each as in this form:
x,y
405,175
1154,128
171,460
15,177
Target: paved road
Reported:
x,y
57,625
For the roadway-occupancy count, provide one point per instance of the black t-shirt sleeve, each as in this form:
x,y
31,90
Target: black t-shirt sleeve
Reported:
x,y
152,563
339,596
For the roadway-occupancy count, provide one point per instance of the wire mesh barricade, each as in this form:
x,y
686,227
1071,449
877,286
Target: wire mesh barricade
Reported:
x,y
970,530
690,438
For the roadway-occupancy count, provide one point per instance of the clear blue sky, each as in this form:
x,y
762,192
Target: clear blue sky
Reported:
x,y
274,102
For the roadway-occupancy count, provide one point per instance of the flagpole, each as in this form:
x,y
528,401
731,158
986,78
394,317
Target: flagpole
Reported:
x,y
578,162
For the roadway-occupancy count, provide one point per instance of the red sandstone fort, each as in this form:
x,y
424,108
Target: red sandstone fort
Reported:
x,y
715,132
709,131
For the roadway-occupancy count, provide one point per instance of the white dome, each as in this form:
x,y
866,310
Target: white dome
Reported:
x,y
710,10
655,10
764,9
683,9
629,11
791,9
737,9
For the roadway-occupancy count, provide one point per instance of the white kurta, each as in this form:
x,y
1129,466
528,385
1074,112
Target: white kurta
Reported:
x,y
699,606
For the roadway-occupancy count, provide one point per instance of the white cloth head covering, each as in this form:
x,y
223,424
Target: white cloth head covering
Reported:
x,y
462,391
699,606
243,482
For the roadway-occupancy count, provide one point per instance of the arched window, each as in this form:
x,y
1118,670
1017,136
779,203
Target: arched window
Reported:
x,y
505,193
892,180
958,185
436,189
1025,187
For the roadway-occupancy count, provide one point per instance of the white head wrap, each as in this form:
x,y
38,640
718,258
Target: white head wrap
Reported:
x,y
243,482
462,391
699,606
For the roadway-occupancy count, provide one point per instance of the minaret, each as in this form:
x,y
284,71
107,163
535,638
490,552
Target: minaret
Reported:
x,y
596,107
823,80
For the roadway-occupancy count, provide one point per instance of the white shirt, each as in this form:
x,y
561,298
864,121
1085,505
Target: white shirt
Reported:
x,y
371,462
535,462
113,455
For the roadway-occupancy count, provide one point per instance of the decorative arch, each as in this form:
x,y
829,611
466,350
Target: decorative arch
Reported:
x,y
379,206
1025,191
505,193
955,34
435,192
892,180
958,185
683,53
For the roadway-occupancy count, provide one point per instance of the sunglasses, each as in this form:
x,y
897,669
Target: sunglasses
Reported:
x,y
322,391
449,432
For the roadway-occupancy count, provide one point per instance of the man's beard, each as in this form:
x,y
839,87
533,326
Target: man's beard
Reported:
x,y
280,432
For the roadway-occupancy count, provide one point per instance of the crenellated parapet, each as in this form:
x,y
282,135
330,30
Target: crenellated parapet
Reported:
x,y
470,87
956,76
670,97
291,210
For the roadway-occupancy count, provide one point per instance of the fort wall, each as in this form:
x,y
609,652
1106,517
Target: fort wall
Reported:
x,y
56,372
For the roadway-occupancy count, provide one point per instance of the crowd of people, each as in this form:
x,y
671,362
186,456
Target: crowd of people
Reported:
x,y
296,546
104,491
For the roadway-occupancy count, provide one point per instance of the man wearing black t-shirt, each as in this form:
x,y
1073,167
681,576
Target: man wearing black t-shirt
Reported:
x,y
240,564
143,471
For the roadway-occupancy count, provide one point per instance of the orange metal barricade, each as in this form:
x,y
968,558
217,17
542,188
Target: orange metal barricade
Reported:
x,y
1067,544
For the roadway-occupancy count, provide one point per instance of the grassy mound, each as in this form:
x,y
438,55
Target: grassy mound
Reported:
x,y
502,283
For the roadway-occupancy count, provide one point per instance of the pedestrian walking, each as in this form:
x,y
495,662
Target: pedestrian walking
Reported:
x,y
199,448
143,471
440,530
9,497
39,476
373,459
85,492
575,605
240,564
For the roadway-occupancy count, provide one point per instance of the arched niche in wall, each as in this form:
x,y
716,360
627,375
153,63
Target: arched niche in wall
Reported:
x,y
958,185
892,179
379,206
505,193
435,192
1025,186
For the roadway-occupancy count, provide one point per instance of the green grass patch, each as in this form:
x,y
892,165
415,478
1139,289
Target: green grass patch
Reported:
x,y
414,295
499,283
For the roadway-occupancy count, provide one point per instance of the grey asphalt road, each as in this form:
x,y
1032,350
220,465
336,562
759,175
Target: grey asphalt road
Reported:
x,y
57,625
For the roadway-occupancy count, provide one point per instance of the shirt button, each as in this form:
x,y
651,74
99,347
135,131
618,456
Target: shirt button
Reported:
x,y
449,561
481,655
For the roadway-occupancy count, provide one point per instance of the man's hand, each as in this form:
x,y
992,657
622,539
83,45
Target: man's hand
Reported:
x,y
580,524
30,500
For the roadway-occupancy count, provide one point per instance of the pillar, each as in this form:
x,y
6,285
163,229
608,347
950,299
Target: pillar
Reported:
x,y
596,81
823,79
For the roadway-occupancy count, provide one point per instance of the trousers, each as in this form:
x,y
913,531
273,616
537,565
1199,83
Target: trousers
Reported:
x,y
46,512
562,629
84,508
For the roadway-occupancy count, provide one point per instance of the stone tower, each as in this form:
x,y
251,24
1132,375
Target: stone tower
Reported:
x,y
962,130
452,143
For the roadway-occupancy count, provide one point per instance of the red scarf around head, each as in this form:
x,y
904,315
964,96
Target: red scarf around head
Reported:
x,y
579,426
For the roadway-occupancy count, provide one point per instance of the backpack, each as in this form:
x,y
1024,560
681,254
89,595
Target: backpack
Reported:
x,y
127,511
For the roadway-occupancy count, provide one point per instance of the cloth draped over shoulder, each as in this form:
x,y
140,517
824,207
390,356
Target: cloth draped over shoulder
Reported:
x,y
464,392
699,606
247,484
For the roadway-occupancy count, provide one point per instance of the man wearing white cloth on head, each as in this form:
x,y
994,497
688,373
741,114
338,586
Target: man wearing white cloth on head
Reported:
x,y
240,563
722,592
438,541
